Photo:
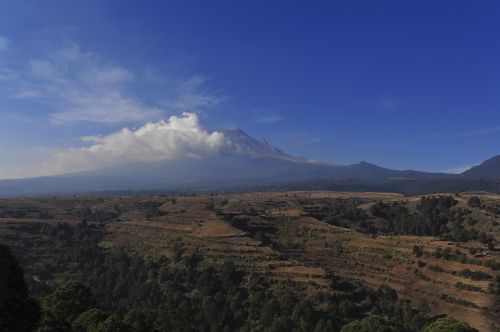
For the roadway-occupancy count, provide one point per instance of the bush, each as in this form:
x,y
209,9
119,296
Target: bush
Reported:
x,y
372,323
474,202
449,324
421,264
492,264
475,275
461,285
436,268
417,251
471,221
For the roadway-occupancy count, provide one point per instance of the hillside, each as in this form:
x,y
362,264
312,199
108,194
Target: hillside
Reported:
x,y
490,169
321,246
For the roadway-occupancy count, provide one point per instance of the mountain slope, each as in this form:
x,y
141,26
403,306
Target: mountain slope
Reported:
x,y
243,144
490,169
369,172
209,173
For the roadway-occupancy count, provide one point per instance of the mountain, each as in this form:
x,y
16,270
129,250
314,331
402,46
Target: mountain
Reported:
x,y
245,162
490,169
246,145
373,173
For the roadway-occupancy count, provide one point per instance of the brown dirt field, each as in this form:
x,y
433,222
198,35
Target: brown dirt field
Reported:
x,y
300,270
217,229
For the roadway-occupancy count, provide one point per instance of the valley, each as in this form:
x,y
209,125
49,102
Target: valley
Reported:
x,y
300,240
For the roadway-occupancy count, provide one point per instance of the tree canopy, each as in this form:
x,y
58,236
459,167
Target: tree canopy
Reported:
x,y
18,311
449,324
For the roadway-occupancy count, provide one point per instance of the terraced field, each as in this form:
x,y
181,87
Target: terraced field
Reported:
x,y
275,235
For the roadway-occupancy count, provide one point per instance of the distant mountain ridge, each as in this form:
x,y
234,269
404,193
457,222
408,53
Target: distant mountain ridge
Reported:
x,y
490,169
246,162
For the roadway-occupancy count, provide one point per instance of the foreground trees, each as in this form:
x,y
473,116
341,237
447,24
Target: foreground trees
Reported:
x,y
18,311
371,323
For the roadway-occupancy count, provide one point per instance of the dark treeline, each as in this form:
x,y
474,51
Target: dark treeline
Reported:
x,y
406,187
433,216
336,212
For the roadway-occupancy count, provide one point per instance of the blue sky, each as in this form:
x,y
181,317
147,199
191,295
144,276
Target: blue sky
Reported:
x,y
397,83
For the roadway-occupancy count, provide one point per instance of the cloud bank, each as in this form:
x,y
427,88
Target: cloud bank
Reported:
x,y
179,137
80,86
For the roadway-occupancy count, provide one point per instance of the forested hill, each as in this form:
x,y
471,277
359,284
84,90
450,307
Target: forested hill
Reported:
x,y
406,187
277,262
246,263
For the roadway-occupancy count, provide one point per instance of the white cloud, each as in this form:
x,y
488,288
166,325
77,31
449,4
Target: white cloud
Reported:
x,y
188,97
4,43
83,87
457,170
271,118
179,137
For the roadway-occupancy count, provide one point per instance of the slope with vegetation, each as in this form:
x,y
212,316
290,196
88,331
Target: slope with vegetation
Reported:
x,y
290,261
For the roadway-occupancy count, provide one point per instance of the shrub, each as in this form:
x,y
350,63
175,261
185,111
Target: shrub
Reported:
x,y
492,264
461,285
449,324
471,221
436,268
417,251
475,275
421,264
474,202
372,323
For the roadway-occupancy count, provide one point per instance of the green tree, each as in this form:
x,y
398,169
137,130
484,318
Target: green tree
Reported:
x,y
371,323
89,320
449,324
474,201
138,320
18,311
66,304
113,324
